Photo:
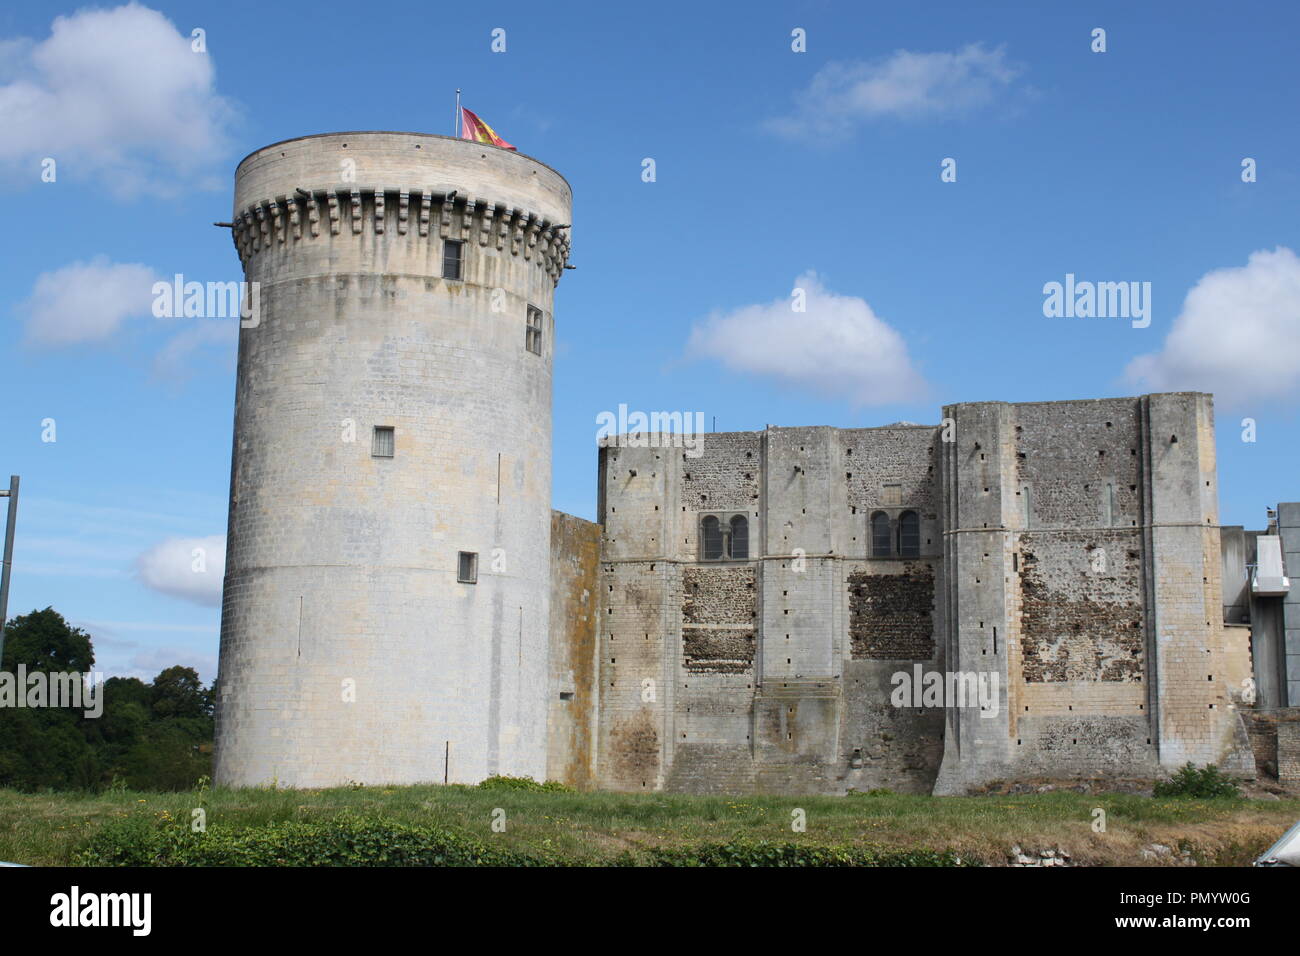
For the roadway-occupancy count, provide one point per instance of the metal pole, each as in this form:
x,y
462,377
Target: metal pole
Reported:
x,y
12,495
455,121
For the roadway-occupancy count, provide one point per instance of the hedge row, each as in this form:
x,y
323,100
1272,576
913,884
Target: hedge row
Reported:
x,y
354,841
344,841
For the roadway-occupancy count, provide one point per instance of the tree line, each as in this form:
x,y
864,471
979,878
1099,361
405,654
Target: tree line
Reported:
x,y
147,736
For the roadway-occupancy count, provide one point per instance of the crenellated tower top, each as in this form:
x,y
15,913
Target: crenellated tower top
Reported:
x,y
400,184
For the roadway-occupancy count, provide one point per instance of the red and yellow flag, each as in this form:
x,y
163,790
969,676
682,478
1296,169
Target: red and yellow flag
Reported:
x,y
471,127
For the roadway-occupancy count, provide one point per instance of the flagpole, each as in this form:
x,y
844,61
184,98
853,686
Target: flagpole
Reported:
x,y
455,122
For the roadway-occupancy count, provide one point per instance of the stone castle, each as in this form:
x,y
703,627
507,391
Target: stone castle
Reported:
x,y
1021,591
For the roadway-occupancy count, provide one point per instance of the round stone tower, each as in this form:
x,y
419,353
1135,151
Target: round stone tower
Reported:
x,y
387,566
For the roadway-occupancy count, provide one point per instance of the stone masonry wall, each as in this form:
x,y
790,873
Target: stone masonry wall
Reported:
x,y
725,475
1081,611
1081,461
891,615
1040,565
718,619
574,686
1288,752
877,457
342,565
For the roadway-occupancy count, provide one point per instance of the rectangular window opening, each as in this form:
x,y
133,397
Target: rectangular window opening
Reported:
x,y
533,333
453,253
467,567
384,442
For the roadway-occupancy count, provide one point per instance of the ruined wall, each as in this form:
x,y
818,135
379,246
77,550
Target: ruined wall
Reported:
x,y
1288,751
876,458
718,620
894,628
757,686
1266,737
1041,578
1117,661
639,614
1081,607
1196,658
713,706
574,687
1048,587
1083,703
891,616
981,502
1081,461
726,475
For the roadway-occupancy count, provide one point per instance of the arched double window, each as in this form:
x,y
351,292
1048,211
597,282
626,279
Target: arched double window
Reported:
x,y
903,541
721,541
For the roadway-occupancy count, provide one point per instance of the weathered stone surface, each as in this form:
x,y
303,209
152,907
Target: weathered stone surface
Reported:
x,y
1064,549
891,615
349,650
1066,554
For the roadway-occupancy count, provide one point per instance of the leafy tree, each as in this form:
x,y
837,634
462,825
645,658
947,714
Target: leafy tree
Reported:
x,y
45,747
178,692
44,641
155,736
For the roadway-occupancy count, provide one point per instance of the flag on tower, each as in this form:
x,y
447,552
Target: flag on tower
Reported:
x,y
471,127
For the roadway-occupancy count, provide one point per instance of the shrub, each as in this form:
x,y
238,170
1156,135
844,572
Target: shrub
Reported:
x,y
763,853
346,840
1203,783
342,841
524,783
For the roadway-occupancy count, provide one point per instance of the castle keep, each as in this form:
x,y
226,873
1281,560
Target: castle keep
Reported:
x,y
1020,591
1065,555
388,571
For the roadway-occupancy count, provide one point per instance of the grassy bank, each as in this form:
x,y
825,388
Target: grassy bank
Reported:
x,y
583,828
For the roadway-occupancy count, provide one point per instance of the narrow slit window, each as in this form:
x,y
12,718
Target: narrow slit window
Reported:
x,y
467,567
533,333
384,442
453,252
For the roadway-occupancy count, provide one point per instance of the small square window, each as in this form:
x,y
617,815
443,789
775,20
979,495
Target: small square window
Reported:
x,y
533,334
467,567
453,252
384,442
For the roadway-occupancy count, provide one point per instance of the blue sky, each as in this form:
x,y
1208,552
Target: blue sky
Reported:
x,y
773,169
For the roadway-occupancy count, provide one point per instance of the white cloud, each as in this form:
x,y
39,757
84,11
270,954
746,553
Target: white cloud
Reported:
x,y
87,301
173,567
174,361
838,347
118,93
1238,334
905,85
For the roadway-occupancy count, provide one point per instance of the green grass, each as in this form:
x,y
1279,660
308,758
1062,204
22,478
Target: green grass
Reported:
x,y
50,828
